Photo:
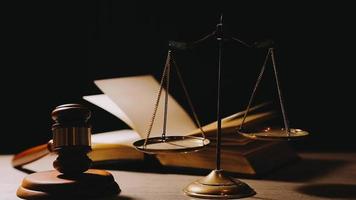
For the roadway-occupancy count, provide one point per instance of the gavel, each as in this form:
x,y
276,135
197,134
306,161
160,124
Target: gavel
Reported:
x,y
71,141
71,138
72,177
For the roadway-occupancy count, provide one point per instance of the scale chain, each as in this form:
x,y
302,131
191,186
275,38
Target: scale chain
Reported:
x,y
165,82
164,74
166,97
285,120
279,93
255,88
188,96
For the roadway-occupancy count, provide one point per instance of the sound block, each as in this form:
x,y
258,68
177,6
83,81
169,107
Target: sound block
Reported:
x,y
54,185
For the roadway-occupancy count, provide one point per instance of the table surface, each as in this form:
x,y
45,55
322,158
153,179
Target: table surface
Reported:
x,y
315,176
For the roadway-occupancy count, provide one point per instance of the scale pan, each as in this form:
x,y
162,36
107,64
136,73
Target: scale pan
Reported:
x,y
274,134
171,144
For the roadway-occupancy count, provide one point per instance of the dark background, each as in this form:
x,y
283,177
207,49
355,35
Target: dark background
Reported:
x,y
53,51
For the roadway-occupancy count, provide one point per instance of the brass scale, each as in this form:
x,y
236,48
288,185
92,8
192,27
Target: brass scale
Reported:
x,y
216,184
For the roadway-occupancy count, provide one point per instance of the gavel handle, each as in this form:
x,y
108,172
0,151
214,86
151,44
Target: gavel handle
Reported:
x,y
31,154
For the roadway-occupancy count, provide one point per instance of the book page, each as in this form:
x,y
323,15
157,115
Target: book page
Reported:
x,y
107,104
234,122
242,113
115,146
136,97
122,137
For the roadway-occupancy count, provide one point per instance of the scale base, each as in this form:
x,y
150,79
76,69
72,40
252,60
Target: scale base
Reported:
x,y
217,185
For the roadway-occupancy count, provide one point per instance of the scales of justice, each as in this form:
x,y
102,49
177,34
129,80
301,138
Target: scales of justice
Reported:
x,y
216,184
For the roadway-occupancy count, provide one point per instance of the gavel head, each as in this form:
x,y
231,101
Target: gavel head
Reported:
x,y
71,138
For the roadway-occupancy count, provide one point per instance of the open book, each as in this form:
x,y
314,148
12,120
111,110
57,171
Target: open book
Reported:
x,y
132,99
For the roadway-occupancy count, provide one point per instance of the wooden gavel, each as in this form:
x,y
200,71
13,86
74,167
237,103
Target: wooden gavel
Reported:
x,y
72,178
71,138
71,141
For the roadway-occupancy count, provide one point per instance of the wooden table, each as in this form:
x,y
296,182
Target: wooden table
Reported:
x,y
316,176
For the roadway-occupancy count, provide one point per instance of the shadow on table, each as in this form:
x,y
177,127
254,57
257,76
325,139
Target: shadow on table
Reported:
x,y
330,191
304,170
297,171
25,170
150,167
261,198
114,198
101,198
253,197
